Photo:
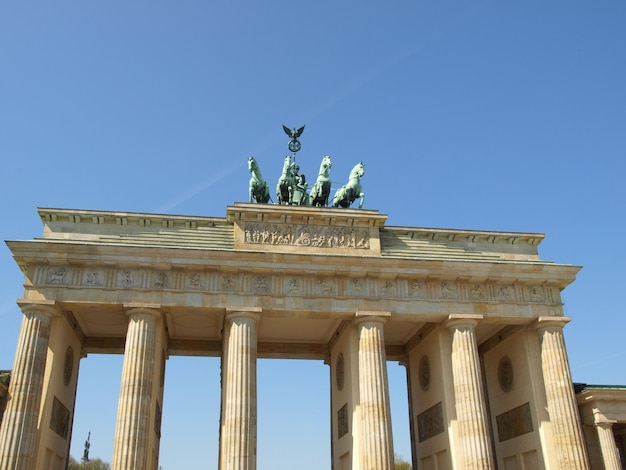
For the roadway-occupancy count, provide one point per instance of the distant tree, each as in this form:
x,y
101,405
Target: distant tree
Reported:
x,y
93,464
400,463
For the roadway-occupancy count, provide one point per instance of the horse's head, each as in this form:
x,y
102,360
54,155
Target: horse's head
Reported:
x,y
252,164
326,163
287,165
358,170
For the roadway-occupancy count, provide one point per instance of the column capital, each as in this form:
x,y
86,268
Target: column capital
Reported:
x,y
363,316
543,323
47,307
253,313
462,319
143,309
605,423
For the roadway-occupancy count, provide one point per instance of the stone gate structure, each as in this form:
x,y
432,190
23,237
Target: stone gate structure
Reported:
x,y
476,317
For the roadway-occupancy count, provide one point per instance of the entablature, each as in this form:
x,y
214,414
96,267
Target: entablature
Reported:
x,y
288,229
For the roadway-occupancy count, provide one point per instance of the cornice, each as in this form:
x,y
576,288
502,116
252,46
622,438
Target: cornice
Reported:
x,y
124,218
285,214
594,393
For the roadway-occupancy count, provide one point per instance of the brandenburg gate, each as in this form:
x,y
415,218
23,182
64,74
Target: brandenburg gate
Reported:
x,y
475,316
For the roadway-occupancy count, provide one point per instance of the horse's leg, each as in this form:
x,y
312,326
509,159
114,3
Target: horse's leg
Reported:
x,y
266,194
325,194
362,196
313,196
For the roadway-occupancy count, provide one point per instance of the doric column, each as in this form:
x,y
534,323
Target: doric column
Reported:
x,y
566,429
239,406
610,457
375,437
133,410
18,433
471,414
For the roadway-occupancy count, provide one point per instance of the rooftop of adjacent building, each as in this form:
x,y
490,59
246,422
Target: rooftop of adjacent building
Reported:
x,y
582,387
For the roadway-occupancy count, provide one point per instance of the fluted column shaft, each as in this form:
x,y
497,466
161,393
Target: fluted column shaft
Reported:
x,y
564,418
133,411
471,414
610,457
18,433
239,406
375,435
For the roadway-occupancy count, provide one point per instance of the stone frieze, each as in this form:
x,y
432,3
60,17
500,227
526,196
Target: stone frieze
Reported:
x,y
314,236
289,285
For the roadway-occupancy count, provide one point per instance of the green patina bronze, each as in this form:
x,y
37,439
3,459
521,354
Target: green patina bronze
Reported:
x,y
258,188
346,195
321,188
292,188
286,183
294,144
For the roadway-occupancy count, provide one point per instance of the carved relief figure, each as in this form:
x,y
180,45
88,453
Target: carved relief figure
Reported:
x,y
228,283
535,293
161,280
448,291
194,280
477,292
127,279
92,279
324,286
387,288
58,276
357,285
418,289
293,287
505,293
260,284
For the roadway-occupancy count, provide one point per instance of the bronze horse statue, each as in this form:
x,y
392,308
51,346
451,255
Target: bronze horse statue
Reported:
x,y
259,190
286,183
346,195
321,189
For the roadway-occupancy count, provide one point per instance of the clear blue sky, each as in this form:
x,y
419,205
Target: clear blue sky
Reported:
x,y
478,115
